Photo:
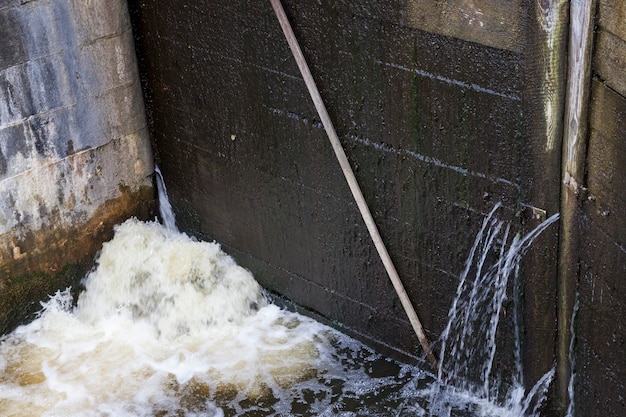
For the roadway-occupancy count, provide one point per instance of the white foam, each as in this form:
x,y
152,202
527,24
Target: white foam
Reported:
x,y
166,324
171,326
178,285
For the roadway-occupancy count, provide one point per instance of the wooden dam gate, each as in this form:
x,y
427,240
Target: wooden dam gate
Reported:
x,y
444,108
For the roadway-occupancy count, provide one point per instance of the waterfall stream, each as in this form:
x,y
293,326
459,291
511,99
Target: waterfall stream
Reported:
x,y
468,343
171,326
165,208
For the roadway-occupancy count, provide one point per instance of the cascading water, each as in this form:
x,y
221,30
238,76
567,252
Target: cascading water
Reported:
x,y
468,343
165,208
571,406
170,326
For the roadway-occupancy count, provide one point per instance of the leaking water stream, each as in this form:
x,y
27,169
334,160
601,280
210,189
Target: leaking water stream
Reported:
x,y
170,326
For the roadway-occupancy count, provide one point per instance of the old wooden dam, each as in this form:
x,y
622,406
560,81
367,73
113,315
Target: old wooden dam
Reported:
x,y
445,110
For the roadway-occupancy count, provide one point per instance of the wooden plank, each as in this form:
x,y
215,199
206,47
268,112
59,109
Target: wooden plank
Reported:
x,y
603,234
608,111
577,91
610,60
606,155
546,38
495,23
580,46
611,17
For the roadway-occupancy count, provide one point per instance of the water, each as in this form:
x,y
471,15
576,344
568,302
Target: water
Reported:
x,y
468,343
571,406
170,326
165,208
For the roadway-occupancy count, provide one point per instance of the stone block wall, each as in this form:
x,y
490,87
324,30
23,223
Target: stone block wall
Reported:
x,y
75,156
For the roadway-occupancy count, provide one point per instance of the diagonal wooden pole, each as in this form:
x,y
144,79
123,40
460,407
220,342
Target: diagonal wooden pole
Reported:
x,y
351,179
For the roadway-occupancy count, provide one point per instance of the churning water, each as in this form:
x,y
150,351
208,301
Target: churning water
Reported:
x,y
170,326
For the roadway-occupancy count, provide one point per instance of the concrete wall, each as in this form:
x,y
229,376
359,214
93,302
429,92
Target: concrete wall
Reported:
x,y
74,151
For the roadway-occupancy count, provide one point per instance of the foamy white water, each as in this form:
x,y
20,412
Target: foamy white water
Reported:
x,y
169,326
468,343
165,207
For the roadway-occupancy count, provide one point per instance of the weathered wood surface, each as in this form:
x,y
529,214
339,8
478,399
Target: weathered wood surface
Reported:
x,y
610,60
600,330
600,327
432,125
611,17
496,23
575,133
438,121
544,76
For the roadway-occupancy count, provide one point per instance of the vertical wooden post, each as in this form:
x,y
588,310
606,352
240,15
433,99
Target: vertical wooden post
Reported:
x,y
543,106
573,172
